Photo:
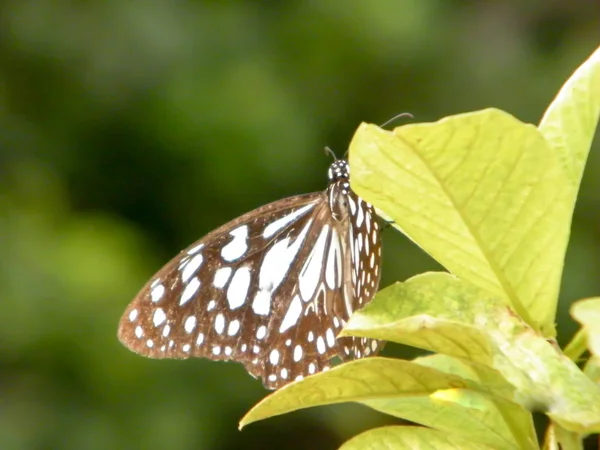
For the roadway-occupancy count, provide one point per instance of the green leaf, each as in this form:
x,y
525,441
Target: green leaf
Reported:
x,y
483,193
478,417
592,369
486,378
577,346
570,121
410,391
587,313
433,311
358,380
543,377
407,437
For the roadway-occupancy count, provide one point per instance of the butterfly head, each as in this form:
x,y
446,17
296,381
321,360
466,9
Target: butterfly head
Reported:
x,y
338,170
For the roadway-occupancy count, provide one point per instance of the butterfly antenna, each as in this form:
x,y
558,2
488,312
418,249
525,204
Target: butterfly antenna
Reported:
x,y
330,152
404,114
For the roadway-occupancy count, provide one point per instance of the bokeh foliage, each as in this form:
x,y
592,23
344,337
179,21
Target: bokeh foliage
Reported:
x,y
129,129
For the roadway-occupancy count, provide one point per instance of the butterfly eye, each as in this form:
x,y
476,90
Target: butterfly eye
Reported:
x,y
272,289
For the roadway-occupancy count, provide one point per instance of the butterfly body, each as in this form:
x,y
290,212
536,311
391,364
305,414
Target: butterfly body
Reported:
x,y
270,289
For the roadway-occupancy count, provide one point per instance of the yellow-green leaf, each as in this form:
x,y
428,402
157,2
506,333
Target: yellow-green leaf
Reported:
x,y
570,121
487,378
587,313
592,369
413,313
407,437
359,380
429,311
483,193
473,415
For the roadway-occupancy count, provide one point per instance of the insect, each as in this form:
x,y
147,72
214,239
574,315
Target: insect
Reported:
x,y
270,289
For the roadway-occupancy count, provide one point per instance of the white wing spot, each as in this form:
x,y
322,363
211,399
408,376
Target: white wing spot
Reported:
x,y
275,266
311,336
191,267
159,317
150,343
299,377
373,345
279,224
274,357
320,345
352,204
256,349
189,290
139,332
234,327
211,305
311,368
272,377
157,292
186,347
244,347
359,215
171,343
222,277
183,262
238,246
262,303
166,330
133,315
190,324
216,350
288,342
228,351
310,274
238,288
220,323
200,339
195,249
292,315
261,332
284,373
336,322
333,268
297,353
330,337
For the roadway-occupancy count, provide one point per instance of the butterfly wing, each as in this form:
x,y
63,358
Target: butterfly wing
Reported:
x,y
185,301
270,290
362,269
327,291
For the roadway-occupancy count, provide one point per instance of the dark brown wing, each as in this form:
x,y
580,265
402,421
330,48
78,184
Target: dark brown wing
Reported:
x,y
271,290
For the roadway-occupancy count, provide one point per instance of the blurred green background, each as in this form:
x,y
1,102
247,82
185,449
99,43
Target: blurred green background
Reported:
x,y
129,129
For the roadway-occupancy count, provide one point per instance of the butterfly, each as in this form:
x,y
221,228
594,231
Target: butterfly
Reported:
x,y
270,289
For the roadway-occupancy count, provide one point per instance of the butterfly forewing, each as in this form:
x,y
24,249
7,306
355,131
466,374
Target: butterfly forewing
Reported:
x,y
271,289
